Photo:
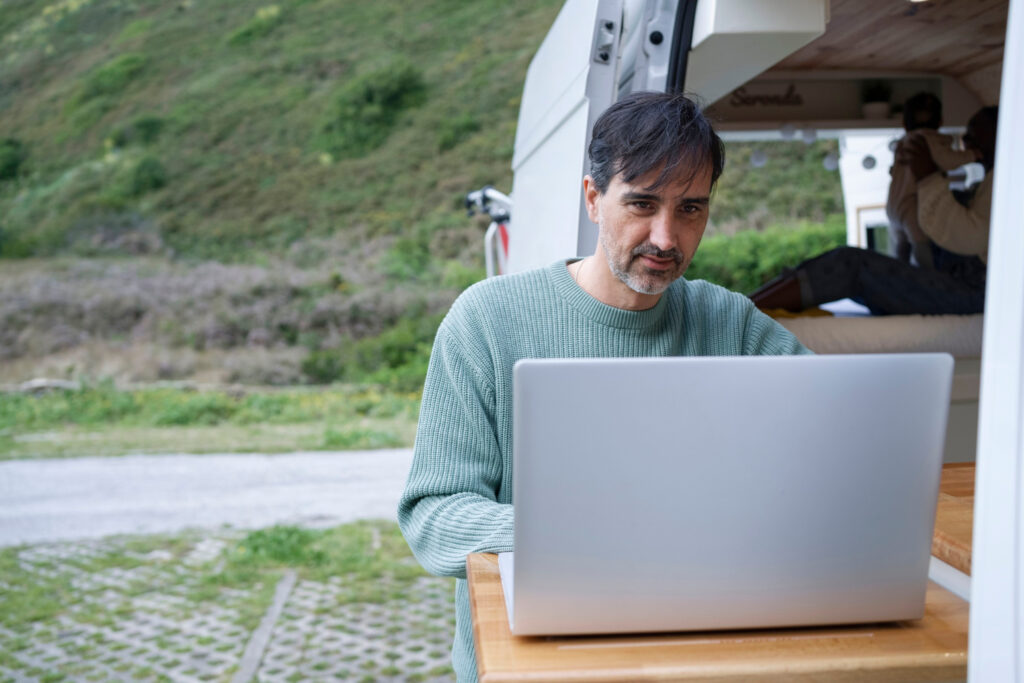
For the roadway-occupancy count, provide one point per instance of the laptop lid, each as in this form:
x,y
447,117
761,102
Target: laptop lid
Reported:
x,y
666,494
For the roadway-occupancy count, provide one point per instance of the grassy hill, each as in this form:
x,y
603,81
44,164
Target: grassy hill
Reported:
x,y
219,129
271,193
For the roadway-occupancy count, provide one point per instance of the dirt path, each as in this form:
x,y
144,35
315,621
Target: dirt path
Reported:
x,y
48,500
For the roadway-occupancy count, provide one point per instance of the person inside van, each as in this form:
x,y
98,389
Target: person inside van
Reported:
x,y
922,116
957,225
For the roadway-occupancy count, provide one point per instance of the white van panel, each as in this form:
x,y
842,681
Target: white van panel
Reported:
x,y
734,40
567,88
544,228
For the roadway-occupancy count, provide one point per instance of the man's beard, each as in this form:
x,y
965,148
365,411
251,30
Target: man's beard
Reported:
x,y
638,277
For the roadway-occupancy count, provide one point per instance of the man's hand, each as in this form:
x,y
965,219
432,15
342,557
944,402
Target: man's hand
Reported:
x,y
913,151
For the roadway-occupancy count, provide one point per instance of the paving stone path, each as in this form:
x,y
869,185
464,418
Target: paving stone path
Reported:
x,y
165,619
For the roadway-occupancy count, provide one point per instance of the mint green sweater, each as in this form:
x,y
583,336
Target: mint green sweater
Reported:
x,y
458,498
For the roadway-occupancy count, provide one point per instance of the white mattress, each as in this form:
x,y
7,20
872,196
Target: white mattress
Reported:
x,y
958,335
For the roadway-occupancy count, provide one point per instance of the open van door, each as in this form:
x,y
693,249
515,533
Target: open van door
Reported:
x,y
568,85
707,47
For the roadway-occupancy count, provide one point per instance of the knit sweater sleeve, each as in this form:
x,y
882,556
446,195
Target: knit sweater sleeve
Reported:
x,y
951,225
449,507
764,336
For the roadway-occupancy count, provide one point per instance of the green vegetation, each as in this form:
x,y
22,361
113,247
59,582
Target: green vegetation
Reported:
x,y
12,155
293,174
52,594
788,191
273,124
396,358
106,406
367,108
746,260
102,420
368,551
262,23
280,123
328,434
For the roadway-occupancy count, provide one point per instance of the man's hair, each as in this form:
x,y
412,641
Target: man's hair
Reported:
x,y
646,131
923,110
990,115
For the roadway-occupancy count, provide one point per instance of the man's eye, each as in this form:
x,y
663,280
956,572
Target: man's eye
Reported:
x,y
642,205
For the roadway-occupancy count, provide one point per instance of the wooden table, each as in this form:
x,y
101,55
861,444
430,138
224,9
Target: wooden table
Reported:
x,y
954,520
933,648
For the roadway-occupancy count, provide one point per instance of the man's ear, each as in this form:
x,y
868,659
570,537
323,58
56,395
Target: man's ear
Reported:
x,y
590,196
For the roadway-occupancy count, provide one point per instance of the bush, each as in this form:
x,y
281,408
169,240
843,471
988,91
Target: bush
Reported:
x,y
453,131
262,23
325,366
397,357
197,409
149,174
113,77
367,108
143,130
12,156
745,261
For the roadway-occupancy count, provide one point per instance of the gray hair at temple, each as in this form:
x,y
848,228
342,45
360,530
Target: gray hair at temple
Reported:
x,y
646,131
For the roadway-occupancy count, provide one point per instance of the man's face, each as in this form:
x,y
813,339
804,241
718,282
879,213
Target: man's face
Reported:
x,y
981,137
649,236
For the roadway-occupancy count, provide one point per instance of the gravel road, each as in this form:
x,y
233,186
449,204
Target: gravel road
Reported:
x,y
76,498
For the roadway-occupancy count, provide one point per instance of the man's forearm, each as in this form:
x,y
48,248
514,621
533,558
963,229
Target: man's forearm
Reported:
x,y
948,223
442,530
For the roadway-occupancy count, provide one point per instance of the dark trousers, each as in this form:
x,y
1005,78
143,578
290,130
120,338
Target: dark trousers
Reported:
x,y
888,286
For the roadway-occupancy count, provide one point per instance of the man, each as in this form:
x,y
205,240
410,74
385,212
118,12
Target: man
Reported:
x,y
654,161
922,117
959,232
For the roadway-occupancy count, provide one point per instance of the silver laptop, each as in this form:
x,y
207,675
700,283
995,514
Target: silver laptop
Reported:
x,y
669,494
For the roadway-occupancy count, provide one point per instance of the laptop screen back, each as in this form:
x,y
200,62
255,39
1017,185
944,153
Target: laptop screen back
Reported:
x,y
669,494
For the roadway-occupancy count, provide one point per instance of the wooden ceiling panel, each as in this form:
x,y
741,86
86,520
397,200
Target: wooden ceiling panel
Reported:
x,y
958,38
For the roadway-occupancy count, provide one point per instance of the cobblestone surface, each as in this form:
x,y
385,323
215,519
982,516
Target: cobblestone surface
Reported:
x,y
157,620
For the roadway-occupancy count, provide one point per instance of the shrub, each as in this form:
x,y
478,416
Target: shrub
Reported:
x,y
143,130
149,174
746,260
262,23
453,131
197,409
367,108
460,277
397,357
12,156
325,366
113,77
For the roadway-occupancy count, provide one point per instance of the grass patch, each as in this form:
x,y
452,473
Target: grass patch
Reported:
x,y
106,406
284,438
103,420
359,438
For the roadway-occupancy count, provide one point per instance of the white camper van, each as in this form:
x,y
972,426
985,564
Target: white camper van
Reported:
x,y
771,69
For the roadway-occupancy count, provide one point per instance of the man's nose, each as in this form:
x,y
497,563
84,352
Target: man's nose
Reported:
x,y
662,231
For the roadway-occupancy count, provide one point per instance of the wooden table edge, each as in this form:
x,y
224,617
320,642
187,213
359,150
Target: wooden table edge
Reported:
x,y
926,667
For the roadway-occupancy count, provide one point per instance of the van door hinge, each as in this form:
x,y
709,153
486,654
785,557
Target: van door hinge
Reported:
x,y
605,35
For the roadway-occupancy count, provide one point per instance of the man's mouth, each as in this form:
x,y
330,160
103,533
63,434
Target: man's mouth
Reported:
x,y
656,263
656,259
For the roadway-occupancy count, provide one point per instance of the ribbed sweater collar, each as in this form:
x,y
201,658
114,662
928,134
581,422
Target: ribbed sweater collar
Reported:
x,y
599,312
